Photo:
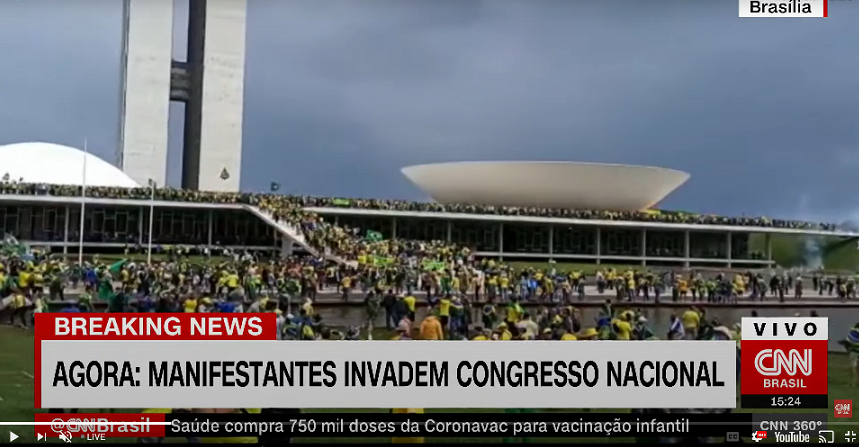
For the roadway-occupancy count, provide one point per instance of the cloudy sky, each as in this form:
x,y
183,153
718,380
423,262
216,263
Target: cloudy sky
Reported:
x,y
340,94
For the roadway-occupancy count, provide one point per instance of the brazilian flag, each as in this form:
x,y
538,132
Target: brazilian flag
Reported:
x,y
115,268
374,236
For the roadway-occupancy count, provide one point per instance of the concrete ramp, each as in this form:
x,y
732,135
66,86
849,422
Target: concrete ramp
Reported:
x,y
292,233
284,228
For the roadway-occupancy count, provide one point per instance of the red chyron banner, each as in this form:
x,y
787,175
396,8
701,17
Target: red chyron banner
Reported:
x,y
95,425
784,356
131,326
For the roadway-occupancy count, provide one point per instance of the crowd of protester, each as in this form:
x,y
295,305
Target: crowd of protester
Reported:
x,y
676,217
370,260
467,298
459,305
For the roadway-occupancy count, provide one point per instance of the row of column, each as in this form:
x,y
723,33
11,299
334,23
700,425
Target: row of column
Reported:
x,y
140,227
598,241
286,244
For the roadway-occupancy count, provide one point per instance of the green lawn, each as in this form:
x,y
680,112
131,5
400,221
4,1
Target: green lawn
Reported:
x,y
16,396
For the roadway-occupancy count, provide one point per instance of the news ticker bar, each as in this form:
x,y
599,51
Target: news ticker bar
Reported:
x,y
481,425
795,401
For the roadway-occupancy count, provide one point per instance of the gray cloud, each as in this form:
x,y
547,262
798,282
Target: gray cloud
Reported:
x,y
341,94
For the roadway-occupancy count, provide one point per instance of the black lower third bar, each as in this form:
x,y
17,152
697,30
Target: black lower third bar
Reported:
x,y
769,401
542,424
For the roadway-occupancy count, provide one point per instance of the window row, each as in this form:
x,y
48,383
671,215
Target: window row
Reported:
x,y
234,227
131,225
565,240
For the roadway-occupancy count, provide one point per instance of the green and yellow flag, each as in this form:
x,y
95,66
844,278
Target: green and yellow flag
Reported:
x,y
116,267
374,236
382,260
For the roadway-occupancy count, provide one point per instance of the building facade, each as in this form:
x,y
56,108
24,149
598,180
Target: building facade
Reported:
x,y
111,225
210,83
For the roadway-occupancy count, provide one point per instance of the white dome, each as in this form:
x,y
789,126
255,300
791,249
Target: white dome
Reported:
x,y
59,165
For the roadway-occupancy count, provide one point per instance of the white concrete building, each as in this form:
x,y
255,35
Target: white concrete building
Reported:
x,y
210,83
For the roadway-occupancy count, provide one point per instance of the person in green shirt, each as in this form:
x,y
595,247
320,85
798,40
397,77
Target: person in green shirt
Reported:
x,y
105,286
117,302
445,284
606,310
85,300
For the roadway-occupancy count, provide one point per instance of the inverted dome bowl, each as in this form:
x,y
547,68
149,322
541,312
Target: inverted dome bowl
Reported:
x,y
585,186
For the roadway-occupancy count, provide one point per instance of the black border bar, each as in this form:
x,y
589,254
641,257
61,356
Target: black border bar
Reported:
x,y
784,401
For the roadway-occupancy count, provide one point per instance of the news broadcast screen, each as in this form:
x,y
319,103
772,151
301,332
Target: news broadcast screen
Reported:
x,y
429,221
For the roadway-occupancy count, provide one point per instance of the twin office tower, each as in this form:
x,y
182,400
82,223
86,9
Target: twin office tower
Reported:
x,y
210,83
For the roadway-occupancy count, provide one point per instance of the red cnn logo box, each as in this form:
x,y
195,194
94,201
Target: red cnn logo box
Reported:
x,y
844,408
784,356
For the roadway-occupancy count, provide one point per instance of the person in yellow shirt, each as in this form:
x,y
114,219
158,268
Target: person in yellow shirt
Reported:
x,y
431,329
444,312
232,282
19,309
631,288
514,312
503,333
492,288
410,302
190,305
307,307
504,285
683,288
481,334
588,334
691,320
24,280
622,328
739,286
566,336
345,287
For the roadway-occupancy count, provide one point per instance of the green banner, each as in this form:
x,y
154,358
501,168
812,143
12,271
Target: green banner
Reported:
x,y
341,202
10,246
433,265
374,236
382,260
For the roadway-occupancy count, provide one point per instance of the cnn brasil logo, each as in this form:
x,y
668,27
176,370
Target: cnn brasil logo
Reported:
x,y
784,356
